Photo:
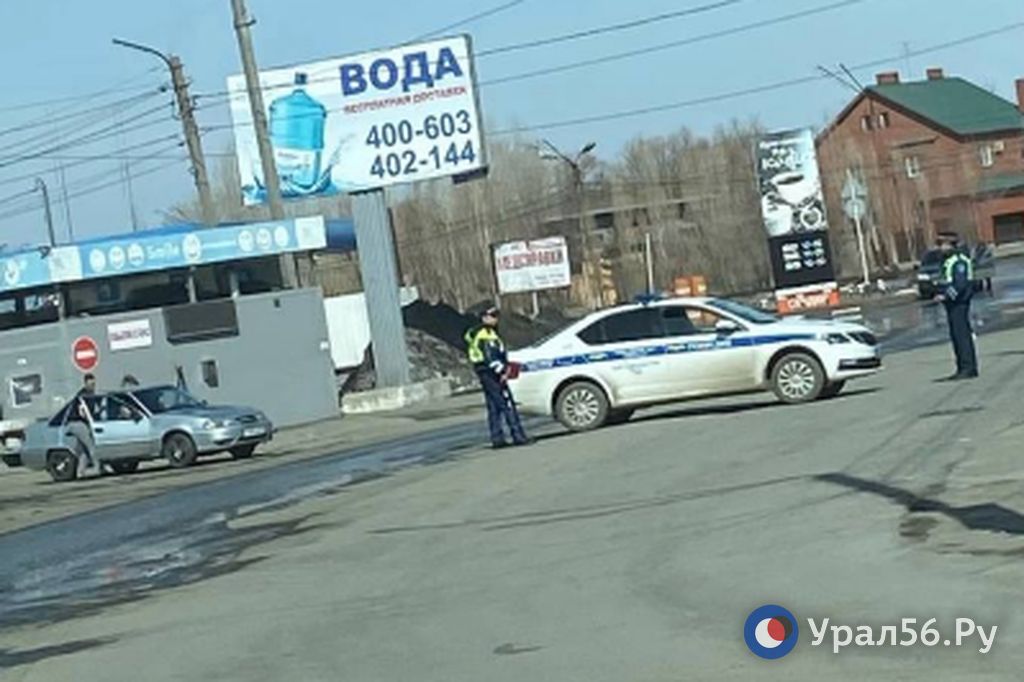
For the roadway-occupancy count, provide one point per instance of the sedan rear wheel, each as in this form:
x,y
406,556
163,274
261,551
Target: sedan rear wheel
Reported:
x,y
581,406
179,450
798,378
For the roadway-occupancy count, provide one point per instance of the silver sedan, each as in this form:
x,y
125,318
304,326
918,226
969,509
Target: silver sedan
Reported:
x,y
128,427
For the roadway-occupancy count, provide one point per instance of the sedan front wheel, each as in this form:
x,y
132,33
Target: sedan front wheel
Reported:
x,y
179,450
798,378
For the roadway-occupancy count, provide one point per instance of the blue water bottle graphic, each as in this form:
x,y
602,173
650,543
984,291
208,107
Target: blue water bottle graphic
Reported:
x,y
297,124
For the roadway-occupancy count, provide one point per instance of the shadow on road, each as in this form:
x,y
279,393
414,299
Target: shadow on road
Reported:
x,y
988,517
13,659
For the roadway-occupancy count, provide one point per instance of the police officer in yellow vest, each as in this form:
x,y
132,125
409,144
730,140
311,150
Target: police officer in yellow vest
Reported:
x,y
490,362
956,289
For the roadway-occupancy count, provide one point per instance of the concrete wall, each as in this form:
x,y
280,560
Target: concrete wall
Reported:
x,y
280,362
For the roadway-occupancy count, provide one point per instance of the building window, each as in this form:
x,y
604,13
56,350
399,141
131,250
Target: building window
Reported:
x,y
604,221
866,123
913,166
987,156
883,119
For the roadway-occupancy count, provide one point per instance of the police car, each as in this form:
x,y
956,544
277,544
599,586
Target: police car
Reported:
x,y
600,369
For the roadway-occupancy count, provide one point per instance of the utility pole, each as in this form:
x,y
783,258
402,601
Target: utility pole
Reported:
x,y
41,187
259,116
588,267
289,269
186,112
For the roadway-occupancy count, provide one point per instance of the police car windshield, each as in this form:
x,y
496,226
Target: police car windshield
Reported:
x,y
932,257
165,399
743,311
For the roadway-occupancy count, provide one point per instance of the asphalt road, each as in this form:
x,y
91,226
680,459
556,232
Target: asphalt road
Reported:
x,y
632,553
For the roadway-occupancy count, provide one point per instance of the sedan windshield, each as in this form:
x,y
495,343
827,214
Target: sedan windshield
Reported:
x,y
744,311
165,399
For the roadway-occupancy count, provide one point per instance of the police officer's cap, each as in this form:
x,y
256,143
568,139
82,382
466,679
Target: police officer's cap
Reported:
x,y
949,238
491,312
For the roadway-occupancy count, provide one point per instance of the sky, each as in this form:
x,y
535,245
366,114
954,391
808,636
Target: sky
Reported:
x,y
58,50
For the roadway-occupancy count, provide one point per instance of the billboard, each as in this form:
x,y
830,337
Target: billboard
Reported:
x,y
790,184
532,265
363,122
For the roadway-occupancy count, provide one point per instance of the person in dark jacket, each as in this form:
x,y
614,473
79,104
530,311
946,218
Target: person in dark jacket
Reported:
x,y
956,287
79,426
487,354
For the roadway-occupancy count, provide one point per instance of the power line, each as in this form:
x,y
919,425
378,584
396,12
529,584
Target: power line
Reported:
x,y
224,95
84,159
117,88
778,85
98,188
101,134
587,33
51,120
571,66
99,115
469,20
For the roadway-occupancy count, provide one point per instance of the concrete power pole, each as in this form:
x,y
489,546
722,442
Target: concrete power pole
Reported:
x,y
289,270
195,148
259,116
186,112
41,187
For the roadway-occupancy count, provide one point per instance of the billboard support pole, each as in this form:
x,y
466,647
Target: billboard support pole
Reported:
x,y
379,271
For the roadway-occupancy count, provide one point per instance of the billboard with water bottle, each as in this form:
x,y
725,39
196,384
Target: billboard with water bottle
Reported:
x,y
363,122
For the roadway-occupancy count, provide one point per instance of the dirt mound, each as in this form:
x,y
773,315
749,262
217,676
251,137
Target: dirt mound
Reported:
x,y
429,358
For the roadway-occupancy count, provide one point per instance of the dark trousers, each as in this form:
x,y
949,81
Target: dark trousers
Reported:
x,y
962,336
500,408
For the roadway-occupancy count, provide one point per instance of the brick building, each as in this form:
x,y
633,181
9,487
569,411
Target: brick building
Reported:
x,y
940,154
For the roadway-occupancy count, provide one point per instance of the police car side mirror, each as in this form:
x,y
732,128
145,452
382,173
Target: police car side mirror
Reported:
x,y
726,327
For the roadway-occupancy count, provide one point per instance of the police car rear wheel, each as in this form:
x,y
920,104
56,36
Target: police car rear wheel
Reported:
x,y
798,378
581,406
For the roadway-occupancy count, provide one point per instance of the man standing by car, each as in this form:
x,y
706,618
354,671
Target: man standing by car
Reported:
x,y
487,353
79,424
956,287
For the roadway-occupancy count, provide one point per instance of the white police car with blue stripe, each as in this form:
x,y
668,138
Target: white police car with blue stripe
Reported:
x,y
600,369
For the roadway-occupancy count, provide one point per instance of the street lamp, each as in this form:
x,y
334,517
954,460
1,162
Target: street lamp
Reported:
x,y
41,187
554,153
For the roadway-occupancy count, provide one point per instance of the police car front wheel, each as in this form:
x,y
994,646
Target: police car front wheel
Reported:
x,y
798,378
581,406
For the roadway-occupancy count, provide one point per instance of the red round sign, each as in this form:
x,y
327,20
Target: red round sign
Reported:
x,y
85,353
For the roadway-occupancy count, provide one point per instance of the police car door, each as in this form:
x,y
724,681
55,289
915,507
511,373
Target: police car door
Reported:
x,y
626,350
703,358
